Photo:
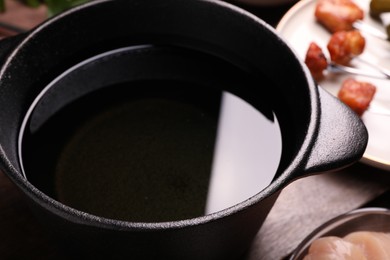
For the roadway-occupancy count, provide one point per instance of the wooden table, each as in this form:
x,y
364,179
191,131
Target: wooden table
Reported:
x,y
307,203
19,18
302,206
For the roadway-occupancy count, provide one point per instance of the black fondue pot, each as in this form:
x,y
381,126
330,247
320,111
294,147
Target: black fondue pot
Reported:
x,y
125,70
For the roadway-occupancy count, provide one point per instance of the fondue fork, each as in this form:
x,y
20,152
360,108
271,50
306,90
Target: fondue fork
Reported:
x,y
379,73
370,30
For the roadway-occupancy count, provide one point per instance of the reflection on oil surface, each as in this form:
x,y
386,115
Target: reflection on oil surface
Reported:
x,y
247,154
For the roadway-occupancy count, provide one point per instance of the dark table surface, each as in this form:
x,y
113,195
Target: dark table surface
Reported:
x,y
302,206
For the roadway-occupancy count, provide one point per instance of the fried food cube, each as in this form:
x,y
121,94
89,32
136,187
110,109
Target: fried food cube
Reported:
x,y
343,46
337,15
316,61
356,94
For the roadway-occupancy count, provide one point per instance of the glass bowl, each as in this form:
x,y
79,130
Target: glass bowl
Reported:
x,y
364,219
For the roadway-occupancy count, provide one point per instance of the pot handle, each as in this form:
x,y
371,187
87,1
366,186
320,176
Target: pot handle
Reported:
x,y
342,136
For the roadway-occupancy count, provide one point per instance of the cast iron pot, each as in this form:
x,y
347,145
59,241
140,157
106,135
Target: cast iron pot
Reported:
x,y
194,40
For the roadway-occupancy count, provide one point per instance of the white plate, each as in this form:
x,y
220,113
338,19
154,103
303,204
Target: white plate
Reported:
x,y
299,27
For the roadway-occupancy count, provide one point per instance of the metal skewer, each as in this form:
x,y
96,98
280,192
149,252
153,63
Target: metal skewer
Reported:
x,y
337,68
365,28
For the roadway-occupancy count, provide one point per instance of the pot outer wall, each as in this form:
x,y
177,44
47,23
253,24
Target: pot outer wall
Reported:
x,y
229,237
